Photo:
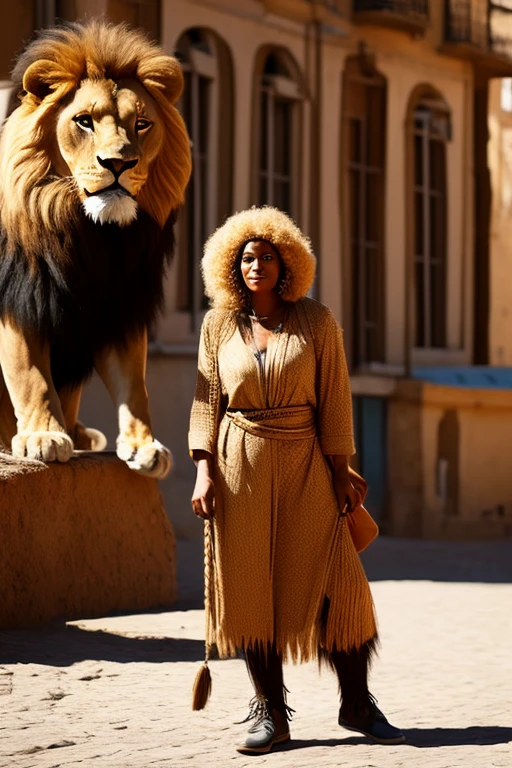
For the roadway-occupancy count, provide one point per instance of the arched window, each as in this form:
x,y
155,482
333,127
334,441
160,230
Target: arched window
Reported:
x,y
278,122
364,150
429,131
206,105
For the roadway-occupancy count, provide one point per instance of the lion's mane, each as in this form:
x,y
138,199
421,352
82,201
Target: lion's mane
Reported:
x,y
34,202
78,285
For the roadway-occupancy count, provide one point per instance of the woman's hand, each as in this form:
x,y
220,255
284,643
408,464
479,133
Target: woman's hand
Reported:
x,y
203,497
348,497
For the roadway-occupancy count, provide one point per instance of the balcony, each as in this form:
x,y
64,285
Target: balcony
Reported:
x,y
480,31
406,15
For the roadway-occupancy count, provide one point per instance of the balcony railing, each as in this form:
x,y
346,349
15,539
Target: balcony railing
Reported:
x,y
482,25
409,15
403,7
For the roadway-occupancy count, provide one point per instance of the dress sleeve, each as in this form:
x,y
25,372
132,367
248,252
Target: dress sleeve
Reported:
x,y
334,398
204,416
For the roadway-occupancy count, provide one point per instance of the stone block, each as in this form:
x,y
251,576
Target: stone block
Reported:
x,y
81,539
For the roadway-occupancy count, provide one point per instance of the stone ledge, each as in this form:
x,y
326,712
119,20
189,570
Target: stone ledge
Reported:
x,y
81,539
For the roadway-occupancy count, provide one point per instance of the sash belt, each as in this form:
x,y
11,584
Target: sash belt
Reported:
x,y
296,422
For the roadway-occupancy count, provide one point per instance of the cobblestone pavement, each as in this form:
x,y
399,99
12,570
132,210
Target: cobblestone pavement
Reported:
x,y
115,692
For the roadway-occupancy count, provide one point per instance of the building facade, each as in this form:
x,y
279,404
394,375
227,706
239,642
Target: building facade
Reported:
x,y
372,125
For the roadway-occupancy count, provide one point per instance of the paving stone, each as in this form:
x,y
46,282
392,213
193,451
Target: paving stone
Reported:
x,y
115,692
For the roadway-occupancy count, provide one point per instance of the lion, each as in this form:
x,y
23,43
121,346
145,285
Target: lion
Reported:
x,y
94,163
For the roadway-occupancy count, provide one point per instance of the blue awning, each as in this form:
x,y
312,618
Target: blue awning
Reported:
x,y
471,376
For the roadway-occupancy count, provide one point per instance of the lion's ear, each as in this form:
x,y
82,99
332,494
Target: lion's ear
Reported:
x,y
44,76
162,73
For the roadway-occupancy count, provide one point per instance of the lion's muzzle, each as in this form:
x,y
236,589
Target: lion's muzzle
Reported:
x,y
113,205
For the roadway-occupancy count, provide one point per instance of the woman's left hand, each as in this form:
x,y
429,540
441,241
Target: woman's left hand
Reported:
x,y
348,497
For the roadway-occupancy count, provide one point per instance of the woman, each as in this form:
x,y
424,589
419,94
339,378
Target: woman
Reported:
x,y
271,433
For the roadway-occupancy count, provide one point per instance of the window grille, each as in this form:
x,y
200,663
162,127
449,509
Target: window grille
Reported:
x,y
431,131
279,136
365,147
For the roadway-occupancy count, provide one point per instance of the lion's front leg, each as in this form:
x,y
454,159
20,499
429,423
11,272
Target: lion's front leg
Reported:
x,y
41,427
123,371
84,438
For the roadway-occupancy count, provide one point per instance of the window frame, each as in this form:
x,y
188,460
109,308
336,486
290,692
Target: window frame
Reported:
x,y
282,88
427,110
359,85
205,62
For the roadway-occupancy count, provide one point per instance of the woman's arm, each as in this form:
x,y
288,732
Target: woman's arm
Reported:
x,y
203,496
348,497
204,420
334,399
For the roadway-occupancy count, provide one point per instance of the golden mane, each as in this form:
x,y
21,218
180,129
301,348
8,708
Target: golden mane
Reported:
x,y
34,200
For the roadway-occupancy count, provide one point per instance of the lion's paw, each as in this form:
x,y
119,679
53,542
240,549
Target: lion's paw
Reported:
x,y
150,459
87,438
43,446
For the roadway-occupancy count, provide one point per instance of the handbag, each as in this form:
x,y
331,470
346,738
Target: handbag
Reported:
x,y
361,525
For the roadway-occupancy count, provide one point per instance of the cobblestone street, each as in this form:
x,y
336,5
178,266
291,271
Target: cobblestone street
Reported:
x,y
115,692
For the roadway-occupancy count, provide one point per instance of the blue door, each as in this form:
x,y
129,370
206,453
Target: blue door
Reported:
x,y
371,441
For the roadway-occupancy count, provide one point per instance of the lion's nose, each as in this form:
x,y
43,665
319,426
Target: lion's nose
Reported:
x,y
117,167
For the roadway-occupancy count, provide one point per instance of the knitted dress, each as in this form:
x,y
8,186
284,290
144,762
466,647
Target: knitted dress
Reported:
x,y
280,545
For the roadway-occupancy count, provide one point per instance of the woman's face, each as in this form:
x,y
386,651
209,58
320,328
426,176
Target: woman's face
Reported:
x,y
260,266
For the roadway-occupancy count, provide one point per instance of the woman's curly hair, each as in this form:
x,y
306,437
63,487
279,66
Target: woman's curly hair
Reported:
x,y
222,255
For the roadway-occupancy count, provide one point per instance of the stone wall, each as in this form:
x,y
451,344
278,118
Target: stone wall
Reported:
x,y
81,539
449,462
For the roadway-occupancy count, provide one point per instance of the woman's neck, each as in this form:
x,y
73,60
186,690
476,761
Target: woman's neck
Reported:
x,y
266,304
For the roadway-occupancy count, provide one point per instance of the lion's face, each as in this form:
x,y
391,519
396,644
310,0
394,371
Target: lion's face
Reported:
x,y
107,136
97,126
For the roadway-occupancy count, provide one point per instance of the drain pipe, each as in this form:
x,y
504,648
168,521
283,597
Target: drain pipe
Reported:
x,y
314,49
45,11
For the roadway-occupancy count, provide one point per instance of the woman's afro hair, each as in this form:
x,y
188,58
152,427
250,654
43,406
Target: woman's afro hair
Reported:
x,y
221,262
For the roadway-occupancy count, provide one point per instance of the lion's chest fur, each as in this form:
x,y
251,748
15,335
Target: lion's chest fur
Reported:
x,y
109,287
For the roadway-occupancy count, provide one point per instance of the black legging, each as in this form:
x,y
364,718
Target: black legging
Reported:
x,y
265,668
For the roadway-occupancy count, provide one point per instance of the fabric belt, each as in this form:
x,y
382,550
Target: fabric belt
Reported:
x,y
293,423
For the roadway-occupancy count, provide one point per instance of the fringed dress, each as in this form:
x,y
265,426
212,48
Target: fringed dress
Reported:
x,y
281,550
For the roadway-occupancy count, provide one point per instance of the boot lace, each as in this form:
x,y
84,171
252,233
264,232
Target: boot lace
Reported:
x,y
260,712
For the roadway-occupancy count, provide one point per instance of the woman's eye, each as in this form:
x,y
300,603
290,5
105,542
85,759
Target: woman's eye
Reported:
x,y
85,122
268,257
142,124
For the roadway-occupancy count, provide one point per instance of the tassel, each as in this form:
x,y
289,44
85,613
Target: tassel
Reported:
x,y
203,682
202,688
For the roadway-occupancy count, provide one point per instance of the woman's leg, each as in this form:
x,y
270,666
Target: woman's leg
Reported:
x,y
265,667
352,671
359,711
268,709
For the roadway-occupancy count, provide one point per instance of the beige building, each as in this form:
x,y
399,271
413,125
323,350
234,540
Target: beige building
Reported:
x,y
368,122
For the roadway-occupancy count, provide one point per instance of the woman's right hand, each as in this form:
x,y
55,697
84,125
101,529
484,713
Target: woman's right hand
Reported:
x,y
203,497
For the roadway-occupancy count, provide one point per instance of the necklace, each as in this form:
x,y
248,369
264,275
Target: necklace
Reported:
x,y
259,318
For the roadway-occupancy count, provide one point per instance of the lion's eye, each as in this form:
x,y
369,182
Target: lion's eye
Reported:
x,y
142,124
85,122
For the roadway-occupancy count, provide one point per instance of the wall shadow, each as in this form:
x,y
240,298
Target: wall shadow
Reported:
x,y
461,561
385,559
65,645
